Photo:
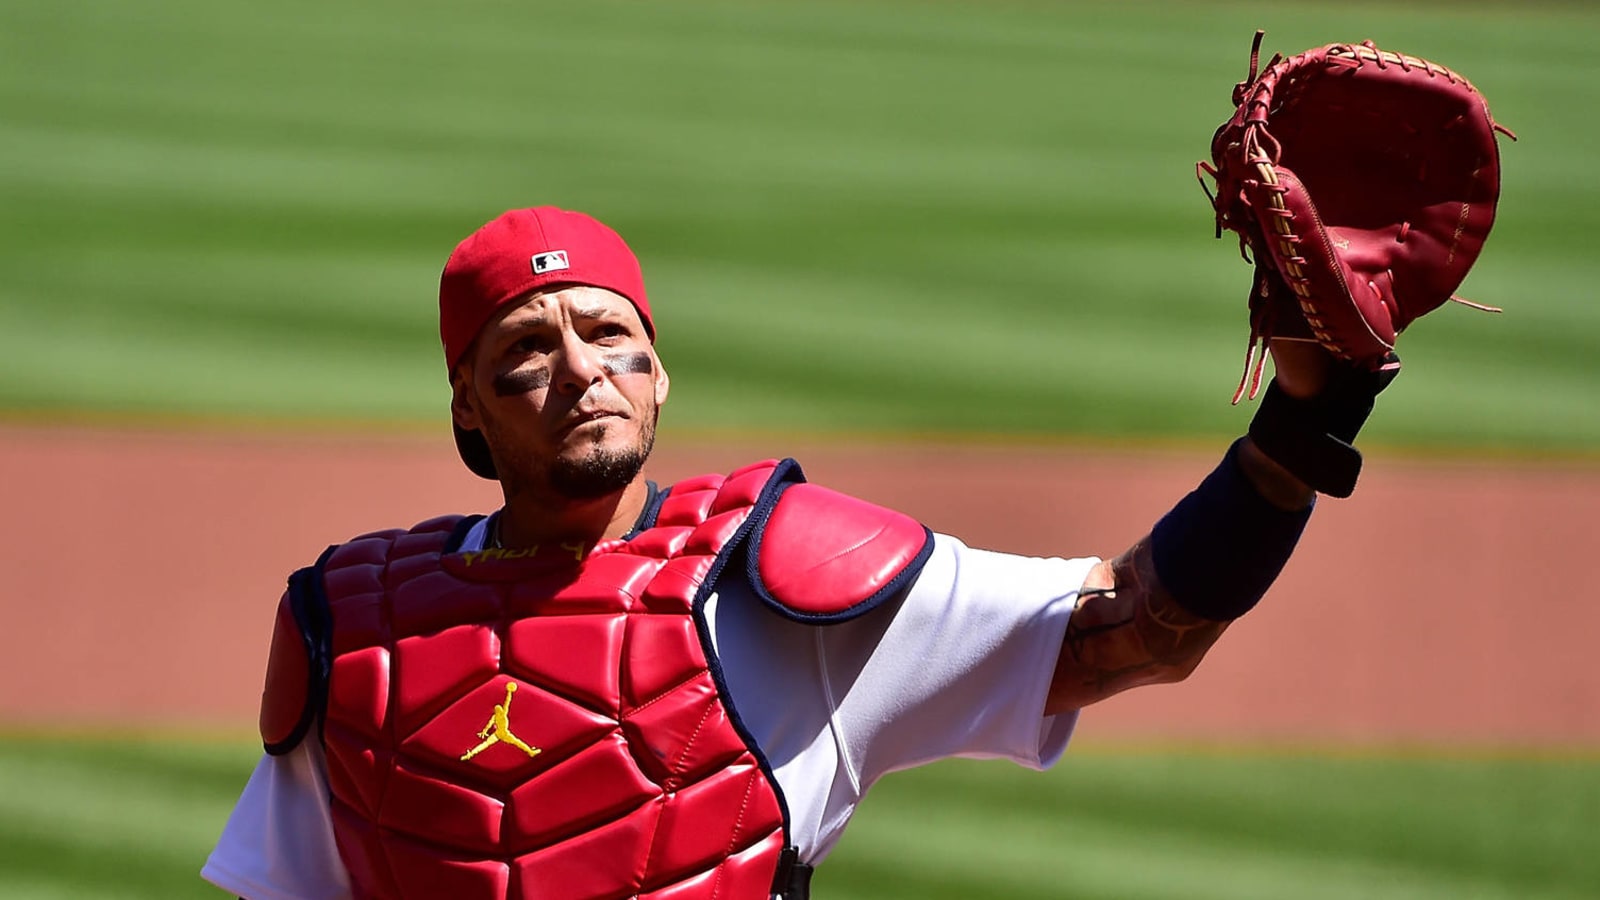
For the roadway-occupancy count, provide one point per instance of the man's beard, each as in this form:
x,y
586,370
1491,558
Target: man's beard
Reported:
x,y
601,472
598,473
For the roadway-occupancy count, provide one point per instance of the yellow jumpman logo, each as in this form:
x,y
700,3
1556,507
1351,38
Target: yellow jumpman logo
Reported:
x,y
499,729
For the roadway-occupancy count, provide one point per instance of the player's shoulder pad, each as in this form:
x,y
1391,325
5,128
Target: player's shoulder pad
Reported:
x,y
821,556
298,662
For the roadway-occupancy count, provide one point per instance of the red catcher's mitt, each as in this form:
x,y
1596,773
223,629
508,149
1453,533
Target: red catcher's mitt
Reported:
x,y
1364,183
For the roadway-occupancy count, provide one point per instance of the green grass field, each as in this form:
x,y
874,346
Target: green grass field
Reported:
x,y
951,217
133,818
963,218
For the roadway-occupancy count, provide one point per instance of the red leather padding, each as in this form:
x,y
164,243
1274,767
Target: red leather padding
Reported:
x,y
285,696
641,784
826,556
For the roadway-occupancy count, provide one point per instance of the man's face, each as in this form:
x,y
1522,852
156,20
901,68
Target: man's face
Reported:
x,y
565,387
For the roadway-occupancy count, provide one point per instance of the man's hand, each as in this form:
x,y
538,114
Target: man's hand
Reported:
x,y
1302,366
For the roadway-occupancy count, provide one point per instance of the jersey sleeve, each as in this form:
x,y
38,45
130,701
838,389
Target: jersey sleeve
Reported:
x,y
278,843
958,664
961,668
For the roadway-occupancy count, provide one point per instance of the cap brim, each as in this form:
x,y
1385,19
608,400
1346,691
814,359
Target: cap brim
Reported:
x,y
474,452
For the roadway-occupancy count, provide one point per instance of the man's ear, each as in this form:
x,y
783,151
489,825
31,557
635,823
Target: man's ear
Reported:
x,y
663,383
463,399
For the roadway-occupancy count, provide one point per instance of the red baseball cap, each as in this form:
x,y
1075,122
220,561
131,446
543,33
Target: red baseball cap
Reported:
x,y
517,252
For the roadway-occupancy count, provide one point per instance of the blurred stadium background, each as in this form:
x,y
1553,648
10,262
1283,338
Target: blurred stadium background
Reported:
x,y
862,221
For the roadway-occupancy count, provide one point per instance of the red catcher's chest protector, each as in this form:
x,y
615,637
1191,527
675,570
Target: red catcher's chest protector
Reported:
x,y
546,724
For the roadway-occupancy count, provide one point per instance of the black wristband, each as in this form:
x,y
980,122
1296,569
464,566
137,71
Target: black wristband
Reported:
x,y
1314,437
1224,544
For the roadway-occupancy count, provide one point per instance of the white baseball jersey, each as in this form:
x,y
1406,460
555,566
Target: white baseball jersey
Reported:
x,y
959,666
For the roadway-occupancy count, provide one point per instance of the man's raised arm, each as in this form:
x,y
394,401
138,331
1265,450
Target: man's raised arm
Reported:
x,y
1149,615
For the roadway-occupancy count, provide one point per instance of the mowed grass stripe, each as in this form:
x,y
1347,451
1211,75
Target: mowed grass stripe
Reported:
x,y
241,210
1094,861
1180,825
119,816
112,817
922,371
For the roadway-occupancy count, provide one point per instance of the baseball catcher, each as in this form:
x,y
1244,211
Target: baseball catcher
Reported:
x,y
1362,183
611,688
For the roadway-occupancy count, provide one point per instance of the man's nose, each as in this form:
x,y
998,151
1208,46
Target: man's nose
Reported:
x,y
579,367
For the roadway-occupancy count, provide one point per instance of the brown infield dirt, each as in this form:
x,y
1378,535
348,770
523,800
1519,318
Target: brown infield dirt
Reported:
x,y
1446,603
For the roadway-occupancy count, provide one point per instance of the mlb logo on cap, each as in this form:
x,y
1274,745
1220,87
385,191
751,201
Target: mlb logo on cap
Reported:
x,y
550,261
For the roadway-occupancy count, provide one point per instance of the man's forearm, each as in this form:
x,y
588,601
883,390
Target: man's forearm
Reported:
x,y
1150,615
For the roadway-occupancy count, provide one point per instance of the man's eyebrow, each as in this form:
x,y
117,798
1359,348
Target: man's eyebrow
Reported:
x,y
525,323
589,313
595,312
